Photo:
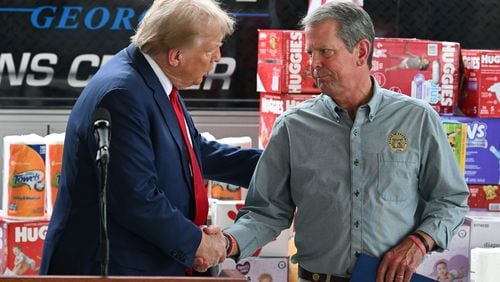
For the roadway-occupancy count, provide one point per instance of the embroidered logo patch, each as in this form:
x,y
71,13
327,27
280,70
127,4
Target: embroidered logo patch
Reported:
x,y
398,142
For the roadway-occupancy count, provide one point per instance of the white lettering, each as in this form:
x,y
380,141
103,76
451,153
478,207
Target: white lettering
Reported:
x,y
29,234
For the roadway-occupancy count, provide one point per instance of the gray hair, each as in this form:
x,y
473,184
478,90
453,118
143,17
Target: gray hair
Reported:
x,y
354,23
179,23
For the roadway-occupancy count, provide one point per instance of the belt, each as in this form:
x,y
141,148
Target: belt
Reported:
x,y
319,277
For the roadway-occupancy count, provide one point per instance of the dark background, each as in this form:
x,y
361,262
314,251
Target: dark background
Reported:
x,y
475,24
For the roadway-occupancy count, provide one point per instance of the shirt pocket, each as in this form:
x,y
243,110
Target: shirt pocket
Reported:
x,y
397,177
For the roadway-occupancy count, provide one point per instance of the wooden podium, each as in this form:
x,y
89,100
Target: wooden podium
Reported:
x,y
225,276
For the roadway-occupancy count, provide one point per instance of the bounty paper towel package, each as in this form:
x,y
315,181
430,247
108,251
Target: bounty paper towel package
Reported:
x,y
24,176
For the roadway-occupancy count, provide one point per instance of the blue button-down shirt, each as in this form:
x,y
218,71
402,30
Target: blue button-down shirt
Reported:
x,y
357,186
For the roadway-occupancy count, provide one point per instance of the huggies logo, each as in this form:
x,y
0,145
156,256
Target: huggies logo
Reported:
x,y
30,234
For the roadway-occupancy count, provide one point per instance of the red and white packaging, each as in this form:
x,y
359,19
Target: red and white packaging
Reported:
x,y
224,214
424,69
271,107
259,269
484,197
283,65
21,245
481,90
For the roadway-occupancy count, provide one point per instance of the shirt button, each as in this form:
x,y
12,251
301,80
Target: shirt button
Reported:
x,y
356,162
356,224
356,193
355,132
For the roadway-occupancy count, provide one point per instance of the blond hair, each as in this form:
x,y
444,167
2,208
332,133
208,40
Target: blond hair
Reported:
x,y
179,23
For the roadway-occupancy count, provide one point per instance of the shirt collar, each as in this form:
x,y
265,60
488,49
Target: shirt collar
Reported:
x,y
372,105
374,102
165,82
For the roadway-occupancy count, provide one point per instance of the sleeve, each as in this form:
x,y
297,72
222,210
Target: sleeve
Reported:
x,y
269,206
441,184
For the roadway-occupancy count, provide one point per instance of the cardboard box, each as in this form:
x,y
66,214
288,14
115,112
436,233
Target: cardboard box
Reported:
x,y
457,137
485,227
271,107
283,65
453,263
482,153
21,245
224,213
481,91
486,197
260,269
424,69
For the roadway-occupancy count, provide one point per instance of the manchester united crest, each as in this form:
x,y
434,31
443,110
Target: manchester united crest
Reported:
x,y
398,142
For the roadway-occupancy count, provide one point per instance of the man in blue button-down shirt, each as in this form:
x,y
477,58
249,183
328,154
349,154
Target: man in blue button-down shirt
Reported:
x,y
367,170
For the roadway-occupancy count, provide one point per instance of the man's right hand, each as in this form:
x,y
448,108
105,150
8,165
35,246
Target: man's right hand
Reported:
x,y
212,249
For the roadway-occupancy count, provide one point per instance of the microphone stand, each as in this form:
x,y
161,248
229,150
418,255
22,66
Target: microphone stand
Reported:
x,y
102,165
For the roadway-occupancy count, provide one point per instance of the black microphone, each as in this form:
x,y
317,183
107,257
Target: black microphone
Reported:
x,y
101,120
102,133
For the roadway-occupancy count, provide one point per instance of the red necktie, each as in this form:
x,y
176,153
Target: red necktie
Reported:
x,y
200,193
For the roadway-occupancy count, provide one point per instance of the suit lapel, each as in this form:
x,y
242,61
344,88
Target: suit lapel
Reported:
x,y
163,104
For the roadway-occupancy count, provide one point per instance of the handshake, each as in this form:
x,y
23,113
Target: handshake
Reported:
x,y
212,249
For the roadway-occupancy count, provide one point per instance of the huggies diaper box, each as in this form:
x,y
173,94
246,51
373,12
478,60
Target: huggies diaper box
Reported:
x,y
21,244
481,90
424,69
271,107
283,65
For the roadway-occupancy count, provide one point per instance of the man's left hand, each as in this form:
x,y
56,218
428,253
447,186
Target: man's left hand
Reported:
x,y
400,263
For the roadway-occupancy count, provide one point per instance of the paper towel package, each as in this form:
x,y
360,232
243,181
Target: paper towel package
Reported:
x,y
53,165
23,189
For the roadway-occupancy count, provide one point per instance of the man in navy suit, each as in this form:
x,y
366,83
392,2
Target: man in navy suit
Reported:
x,y
150,197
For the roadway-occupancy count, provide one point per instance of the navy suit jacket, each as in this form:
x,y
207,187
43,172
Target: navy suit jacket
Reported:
x,y
149,193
